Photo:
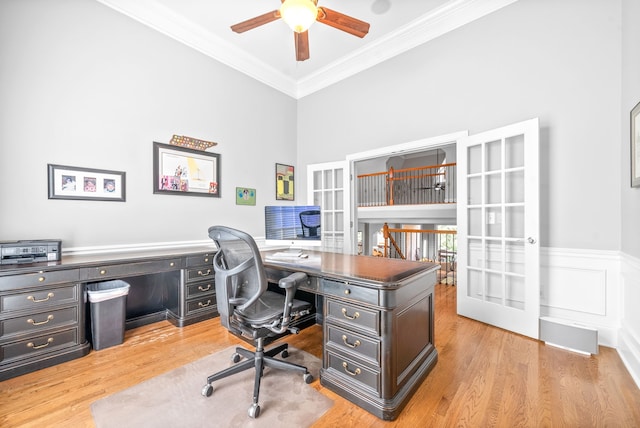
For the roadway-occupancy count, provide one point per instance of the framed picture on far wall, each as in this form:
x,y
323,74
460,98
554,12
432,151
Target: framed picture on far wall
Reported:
x,y
182,171
245,196
635,146
284,182
89,184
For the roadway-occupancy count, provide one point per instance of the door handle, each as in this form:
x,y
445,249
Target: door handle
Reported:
x,y
531,240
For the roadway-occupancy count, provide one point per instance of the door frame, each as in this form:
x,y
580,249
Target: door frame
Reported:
x,y
387,151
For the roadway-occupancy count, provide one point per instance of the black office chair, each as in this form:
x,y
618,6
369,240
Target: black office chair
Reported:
x,y
247,308
310,222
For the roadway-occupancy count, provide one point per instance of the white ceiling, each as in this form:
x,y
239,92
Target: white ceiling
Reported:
x,y
267,53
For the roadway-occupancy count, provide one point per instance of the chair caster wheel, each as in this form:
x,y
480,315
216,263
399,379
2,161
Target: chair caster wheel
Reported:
x,y
254,411
236,357
207,390
285,354
308,378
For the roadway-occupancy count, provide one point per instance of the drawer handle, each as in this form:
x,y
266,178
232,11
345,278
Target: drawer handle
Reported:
x,y
44,345
206,260
34,300
172,264
347,291
204,273
350,345
204,305
103,271
204,289
32,322
355,315
41,279
352,373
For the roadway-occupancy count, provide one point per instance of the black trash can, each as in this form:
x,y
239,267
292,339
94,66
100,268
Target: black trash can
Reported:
x,y
108,301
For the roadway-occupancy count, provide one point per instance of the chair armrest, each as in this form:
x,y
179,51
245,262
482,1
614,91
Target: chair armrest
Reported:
x,y
293,281
290,285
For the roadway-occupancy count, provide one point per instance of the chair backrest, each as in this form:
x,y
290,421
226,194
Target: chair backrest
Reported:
x,y
310,222
239,273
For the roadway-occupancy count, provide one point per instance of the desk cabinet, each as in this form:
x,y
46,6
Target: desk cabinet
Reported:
x,y
197,296
378,344
41,321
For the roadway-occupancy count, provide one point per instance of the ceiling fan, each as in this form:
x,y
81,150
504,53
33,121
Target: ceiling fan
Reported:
x,y
299,15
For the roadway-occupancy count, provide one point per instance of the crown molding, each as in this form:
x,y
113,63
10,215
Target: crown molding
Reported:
x,y
448,17
425,28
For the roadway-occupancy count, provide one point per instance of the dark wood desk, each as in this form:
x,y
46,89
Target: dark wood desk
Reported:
x,y
377,314
378,325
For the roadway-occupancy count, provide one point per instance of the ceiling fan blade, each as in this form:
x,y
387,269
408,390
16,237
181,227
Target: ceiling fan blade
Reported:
x,y
302,45
343,22
252,23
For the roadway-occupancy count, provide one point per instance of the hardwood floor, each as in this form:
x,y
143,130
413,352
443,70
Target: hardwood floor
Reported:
x,y
484,377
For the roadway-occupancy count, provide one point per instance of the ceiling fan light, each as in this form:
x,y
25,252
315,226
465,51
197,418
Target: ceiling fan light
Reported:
x,y
299,14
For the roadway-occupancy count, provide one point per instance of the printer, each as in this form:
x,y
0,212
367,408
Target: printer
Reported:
x,y
15,252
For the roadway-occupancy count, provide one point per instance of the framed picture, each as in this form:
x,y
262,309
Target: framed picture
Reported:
x,y
71,182
184,171
635,146
284,182
245,196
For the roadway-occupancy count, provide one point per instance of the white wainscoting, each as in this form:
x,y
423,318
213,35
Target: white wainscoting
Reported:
x,y
582,287
629,338
595,289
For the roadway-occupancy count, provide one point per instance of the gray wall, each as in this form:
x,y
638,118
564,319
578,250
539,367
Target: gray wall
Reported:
x,y
83,85
556,60
630,97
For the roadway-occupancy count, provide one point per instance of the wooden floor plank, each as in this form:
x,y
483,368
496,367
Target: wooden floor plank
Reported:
x,y
484,377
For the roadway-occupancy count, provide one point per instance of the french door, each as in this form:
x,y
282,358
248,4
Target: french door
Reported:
x,y
498,227
328,186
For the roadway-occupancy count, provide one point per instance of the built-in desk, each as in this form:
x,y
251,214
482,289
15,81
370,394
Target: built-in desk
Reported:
x,y
43,315
377,314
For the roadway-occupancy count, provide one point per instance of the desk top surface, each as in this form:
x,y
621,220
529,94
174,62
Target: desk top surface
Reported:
x,y
351,267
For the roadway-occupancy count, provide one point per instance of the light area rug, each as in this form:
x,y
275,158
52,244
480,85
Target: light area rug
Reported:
x,y
175,399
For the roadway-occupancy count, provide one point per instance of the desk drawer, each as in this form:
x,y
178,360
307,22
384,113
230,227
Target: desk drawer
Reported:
x,y
200,259
130,269
353,343
39,279
38,345
199,273
367,320
39,298
355,372
200,288
349,291
205,302
33,323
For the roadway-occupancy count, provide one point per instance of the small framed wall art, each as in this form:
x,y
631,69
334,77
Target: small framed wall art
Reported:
x,y
635,146
89,184
284,182
245,196
183,171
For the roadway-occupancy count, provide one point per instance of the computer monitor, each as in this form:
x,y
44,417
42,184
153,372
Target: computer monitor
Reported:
x,y
293,225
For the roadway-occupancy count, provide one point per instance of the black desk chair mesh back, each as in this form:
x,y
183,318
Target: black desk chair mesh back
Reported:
x,y
247,308
310,222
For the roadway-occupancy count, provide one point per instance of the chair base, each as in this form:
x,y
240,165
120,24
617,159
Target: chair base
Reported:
x,y
258,360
